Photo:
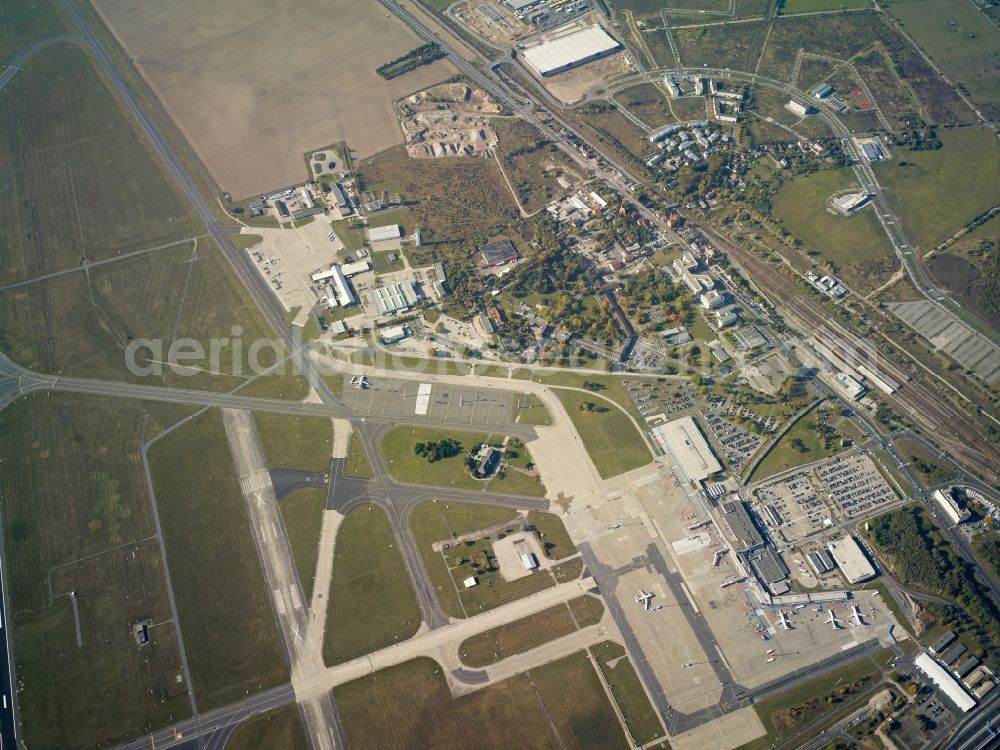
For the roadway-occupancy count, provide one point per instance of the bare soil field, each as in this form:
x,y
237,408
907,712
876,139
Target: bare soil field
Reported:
x,y
254,85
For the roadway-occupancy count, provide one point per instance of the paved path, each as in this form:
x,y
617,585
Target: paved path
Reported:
x,y
323,730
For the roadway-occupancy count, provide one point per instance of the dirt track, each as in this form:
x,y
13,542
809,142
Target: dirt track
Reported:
x,y
254,84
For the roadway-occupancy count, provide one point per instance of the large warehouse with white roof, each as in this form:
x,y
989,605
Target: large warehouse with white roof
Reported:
x,y
570,51
688,448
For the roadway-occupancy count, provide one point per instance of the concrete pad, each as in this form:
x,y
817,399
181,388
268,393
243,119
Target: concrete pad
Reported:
x,y
508,552
732,730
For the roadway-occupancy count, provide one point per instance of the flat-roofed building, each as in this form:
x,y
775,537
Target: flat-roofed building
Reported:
x,y
395,298
499,253
942,642
945,682
685,443
570,51
951,507
393,334
966,666
952,654
851,560
383,234
353,269
743,529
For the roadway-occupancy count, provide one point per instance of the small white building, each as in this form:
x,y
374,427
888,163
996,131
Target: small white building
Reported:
x,y
850,387
353,269
528,561
470,582
798,108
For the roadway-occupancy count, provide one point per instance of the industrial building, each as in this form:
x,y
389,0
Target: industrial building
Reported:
x,y
822,91
942,643
821,562
847,204
743,529
749,338
688,447
851,560
951,507
393,334
798,108
395,298
338,291
571,51
383,234
945,682
353,269
952,654
499,253
849,386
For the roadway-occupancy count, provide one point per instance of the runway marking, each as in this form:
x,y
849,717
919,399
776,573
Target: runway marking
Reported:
x,y
255,482
423,399
279,602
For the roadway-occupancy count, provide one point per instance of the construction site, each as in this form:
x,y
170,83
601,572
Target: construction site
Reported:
x,y
451,119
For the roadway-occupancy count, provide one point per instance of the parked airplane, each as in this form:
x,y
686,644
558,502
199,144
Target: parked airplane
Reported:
x,y
833,620
785,624
269,261
856,614
643,598
360,381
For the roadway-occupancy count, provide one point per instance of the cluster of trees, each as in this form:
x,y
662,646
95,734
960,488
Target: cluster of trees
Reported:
x,y
917,135
926,562
590,406
425,54
436,450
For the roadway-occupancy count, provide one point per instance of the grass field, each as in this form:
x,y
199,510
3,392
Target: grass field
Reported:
x,y
531,164
560,706
646,102
735,46
357,463
788,712
214,565
435,521
640,718
455,201
855,241
812,6
295,442
62,503
785,455
302,513
80,182
372,602
943,189
552,534
961,41
407,466
286,386
278,729
610,438
86,328
23,22
512,638
529,409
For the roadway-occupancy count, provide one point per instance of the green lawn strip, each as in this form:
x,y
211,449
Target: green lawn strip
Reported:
x,y
214,565
610,438
802,444
561,704
602,385
438,521
623,682
283,386
372,602
397,447
277,729
516,637
335,383
587,610
302,513
528,408
357,463
291,441
812,6
243,241
552,535
941,190
788,712
569,570
492,590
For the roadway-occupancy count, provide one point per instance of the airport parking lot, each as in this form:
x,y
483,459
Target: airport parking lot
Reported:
x,y
856,484
410,401
737,444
